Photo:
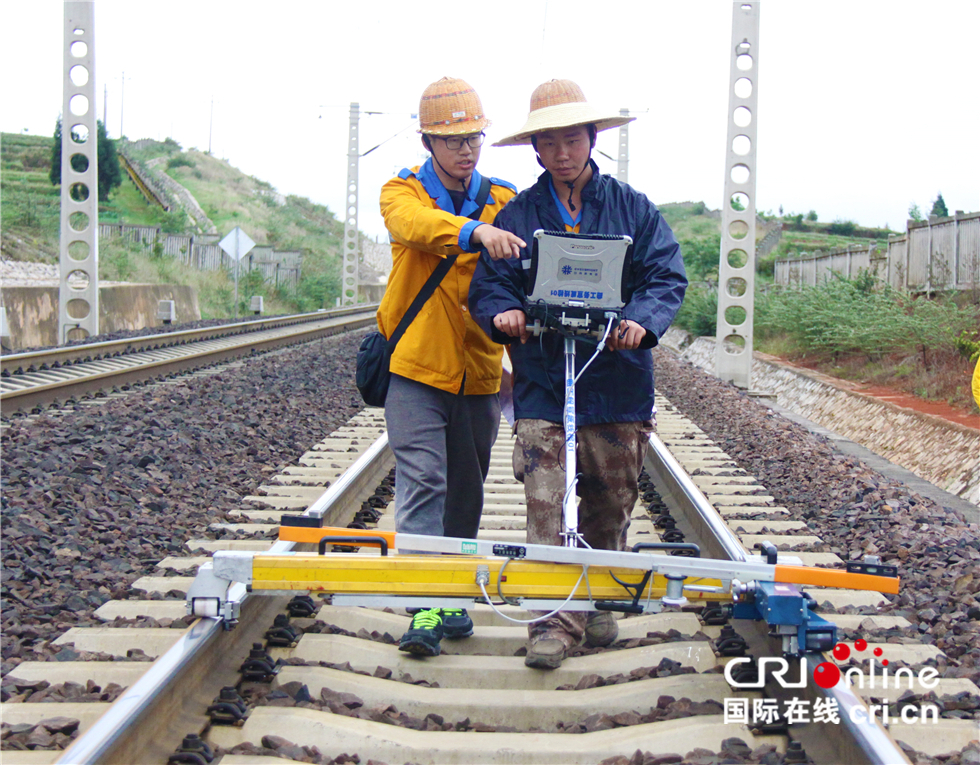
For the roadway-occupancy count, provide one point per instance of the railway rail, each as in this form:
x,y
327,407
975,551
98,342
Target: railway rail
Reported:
x,y
39,378
497,709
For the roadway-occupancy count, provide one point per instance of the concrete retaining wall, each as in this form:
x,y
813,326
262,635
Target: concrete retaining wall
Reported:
x,y
32,312
936,450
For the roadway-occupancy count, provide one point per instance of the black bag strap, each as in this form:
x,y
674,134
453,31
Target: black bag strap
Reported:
x,y
438,275
481,199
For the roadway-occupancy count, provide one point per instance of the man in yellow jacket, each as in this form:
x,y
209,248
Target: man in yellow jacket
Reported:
x,y
442,408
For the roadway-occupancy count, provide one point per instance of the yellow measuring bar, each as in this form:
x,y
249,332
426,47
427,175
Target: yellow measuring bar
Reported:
x,y
444,576
628,566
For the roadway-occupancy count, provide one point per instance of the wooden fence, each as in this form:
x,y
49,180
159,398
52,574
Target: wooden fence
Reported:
x,y
938,254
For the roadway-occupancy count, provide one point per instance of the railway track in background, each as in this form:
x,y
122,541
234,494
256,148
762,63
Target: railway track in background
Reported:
x,y
29,381
721,508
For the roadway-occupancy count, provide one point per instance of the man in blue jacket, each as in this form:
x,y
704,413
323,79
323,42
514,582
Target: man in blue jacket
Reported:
x,y
614,397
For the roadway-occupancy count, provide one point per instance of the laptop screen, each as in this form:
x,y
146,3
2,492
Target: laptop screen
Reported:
x,y
579,270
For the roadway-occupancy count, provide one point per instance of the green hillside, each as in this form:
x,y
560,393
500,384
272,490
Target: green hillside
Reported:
x,y
30,221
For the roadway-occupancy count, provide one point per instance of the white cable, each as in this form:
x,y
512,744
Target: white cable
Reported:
x,y
598,350
498,612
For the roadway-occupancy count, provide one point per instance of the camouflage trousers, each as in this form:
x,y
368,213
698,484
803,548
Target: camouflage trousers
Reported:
x,y
609,459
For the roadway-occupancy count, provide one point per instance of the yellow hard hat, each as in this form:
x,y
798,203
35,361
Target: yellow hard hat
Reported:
x,y
451,107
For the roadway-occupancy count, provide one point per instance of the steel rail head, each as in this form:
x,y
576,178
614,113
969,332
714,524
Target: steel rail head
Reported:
x,y
131,708
870,743
71,352
671,478
93,376
865,741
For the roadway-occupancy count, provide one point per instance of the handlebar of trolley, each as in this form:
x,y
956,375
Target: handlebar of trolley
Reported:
x,y
578,321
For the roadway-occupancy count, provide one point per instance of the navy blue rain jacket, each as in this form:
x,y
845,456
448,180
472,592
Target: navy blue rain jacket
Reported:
x,y
618,386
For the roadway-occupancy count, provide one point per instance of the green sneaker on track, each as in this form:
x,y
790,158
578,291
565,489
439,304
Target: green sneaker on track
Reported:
x,y
423,635
456,623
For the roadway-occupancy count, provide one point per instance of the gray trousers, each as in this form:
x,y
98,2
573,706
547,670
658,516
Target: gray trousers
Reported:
x,y
441,442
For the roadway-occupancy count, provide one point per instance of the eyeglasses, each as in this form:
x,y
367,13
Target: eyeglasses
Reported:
x,y
455,143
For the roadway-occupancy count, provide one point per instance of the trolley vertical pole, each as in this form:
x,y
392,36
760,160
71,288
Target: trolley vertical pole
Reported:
x,y
569,508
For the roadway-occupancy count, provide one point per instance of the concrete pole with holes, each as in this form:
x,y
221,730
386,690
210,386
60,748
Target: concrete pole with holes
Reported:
x,y
349,286
78,292
736,267
622,165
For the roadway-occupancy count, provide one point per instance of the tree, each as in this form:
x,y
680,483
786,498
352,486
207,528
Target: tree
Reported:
x,y
812,216
939,207
110,176
914,212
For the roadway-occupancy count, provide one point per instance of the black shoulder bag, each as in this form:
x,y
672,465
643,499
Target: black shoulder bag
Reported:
x,y
374,355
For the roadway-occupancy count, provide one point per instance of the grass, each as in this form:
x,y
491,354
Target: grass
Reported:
x,y
128,205
690,220
231,198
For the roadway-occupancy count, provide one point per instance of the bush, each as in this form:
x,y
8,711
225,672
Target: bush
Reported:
x,y
315,291
701,257
967,344
174,222
699,311
842,227
180,161
117,260
862,316
250,283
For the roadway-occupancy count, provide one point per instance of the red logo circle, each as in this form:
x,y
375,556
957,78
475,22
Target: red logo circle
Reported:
x,y
826,675
860,645
841,652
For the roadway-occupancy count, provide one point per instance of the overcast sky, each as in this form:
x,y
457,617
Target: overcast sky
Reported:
x,y
865,106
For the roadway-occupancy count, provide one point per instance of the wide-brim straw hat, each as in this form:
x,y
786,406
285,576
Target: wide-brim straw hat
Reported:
x,y
560,104
451,107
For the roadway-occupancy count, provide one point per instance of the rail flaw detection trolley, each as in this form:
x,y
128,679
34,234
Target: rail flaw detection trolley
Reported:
x,y
577,286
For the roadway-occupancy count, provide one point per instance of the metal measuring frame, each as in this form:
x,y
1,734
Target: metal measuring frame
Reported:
x,y
531,576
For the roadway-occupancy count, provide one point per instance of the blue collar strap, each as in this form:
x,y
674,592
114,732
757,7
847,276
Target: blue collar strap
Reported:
x,y
433,186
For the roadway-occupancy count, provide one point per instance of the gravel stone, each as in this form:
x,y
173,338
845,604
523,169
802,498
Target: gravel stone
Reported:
x,y
116,487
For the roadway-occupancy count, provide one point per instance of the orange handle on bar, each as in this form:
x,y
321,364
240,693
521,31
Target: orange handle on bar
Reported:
x,y
312,535
825,577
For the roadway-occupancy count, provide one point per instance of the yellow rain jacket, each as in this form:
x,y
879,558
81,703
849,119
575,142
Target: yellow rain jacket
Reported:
x,y
443,342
